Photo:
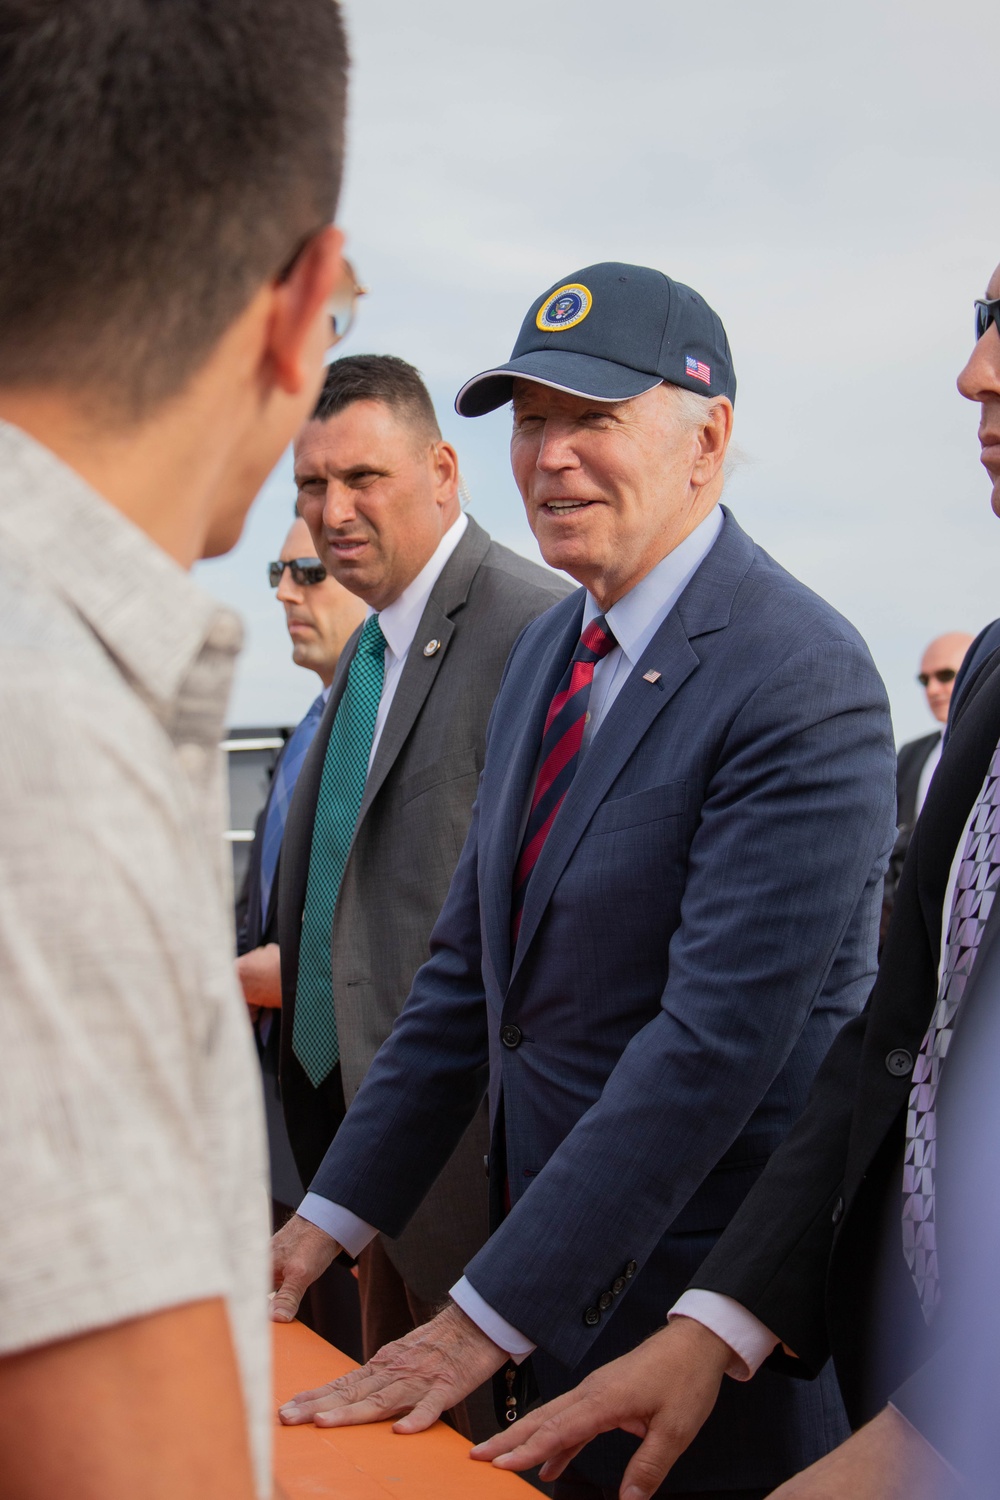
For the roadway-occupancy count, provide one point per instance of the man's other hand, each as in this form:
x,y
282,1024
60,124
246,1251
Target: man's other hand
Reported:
x,y
416,1378
887,1460
259,974
662,1392
300,1253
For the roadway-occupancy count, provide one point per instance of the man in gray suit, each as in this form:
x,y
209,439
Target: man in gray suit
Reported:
x,y
384,799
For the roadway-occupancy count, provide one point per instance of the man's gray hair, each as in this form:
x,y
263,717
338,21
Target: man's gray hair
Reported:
x,y
693,411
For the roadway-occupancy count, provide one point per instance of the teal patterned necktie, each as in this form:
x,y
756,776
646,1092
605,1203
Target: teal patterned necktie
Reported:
x,y
341,788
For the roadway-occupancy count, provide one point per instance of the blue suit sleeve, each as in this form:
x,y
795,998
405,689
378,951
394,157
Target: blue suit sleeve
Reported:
x,y
794,835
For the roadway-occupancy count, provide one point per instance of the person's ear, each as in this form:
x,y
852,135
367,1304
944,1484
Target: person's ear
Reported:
x,y
713,440
298,330
444,461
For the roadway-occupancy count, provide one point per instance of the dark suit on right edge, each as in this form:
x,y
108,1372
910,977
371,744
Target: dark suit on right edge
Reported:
x,y
815,1251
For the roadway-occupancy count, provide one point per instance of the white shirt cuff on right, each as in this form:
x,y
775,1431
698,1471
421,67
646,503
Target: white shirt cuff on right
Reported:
x,y
489,1322
750,1341
351,1233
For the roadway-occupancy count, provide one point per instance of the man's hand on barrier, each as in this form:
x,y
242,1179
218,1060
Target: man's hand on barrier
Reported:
x,y
415,1379
661,1392
300,1253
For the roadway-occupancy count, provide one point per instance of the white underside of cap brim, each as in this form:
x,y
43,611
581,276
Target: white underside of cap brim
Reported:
x,y
553,385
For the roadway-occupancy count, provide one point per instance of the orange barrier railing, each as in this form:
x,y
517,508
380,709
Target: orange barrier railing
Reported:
x,y
372,1462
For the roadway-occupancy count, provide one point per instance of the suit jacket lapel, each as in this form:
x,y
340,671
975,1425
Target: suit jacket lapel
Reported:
x,y
954,788
704,607
633,711
517,749
447,596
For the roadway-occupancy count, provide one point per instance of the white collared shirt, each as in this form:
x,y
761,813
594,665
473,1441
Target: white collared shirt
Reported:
x,y
399,621
635,619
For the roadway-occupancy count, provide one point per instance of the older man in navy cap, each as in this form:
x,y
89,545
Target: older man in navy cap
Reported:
x,y
666,908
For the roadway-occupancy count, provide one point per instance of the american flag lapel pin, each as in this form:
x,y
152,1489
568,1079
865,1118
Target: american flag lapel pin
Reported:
x,y
651,676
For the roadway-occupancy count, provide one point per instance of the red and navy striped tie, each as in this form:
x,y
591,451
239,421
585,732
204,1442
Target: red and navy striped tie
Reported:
x,y
561,742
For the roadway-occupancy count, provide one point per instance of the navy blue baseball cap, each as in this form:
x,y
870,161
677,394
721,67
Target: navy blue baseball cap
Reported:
x,y
611,332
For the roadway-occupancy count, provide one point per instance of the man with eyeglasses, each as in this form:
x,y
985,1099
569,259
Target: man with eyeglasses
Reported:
x,y
835,1251
160,345
321,616
918,759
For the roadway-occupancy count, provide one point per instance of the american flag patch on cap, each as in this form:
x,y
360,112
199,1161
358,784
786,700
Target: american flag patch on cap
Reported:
x,y
697,368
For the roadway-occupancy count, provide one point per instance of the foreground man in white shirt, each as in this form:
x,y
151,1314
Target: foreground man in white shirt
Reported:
x,y
836,1249
169,174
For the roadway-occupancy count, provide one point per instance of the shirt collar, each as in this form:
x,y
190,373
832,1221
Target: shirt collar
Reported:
x,y
399,620
638,615
147,611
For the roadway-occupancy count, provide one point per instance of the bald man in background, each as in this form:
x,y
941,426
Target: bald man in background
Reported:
x,y
917,759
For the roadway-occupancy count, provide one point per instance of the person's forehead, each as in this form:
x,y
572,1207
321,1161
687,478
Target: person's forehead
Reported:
x,y
993,289
298,542
547,398
355,435
945,650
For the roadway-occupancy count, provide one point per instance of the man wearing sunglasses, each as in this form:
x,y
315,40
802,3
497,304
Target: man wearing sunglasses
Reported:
x,y
918,759
835,1251
320,615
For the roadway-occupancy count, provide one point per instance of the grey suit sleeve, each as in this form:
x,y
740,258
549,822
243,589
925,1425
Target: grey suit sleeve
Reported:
x,y
397,1137
794,834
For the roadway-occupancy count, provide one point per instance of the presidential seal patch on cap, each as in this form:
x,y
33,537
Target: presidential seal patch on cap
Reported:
x,y
567,306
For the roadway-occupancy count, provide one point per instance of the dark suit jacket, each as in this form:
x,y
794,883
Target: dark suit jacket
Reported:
x,y
816,1249
253,929
909,763
700,923
411,827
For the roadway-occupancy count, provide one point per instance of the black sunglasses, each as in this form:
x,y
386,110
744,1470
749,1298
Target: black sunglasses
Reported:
x,y
305,570
946,675
987,312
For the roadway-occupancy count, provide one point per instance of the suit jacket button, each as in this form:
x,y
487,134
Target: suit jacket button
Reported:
x,y
838,1211
591,1317
630,1270
604,1301
899,1063
510,1036
618,1285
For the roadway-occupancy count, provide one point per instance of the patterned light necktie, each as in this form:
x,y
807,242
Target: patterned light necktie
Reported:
x,y
978,877
560,755
342,786
285,778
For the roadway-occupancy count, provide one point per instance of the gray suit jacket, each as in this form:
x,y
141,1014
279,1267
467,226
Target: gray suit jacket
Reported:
x,y
411,828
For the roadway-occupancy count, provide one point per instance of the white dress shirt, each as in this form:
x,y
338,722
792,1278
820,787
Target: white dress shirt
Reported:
x,y
927,770
634,621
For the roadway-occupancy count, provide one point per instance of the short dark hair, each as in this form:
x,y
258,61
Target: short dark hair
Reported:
x,y
160,159
377,377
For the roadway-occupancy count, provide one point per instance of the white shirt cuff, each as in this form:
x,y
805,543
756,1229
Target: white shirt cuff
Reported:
x,y
746,1335
351,1233
489,1322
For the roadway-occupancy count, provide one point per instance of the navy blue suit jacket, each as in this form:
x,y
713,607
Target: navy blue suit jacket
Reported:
x,y
701,922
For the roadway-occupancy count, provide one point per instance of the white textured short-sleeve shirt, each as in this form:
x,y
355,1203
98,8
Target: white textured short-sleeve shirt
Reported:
x,y
132,1155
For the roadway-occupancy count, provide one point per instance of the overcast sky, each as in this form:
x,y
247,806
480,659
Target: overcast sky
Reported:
x,y
825,175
